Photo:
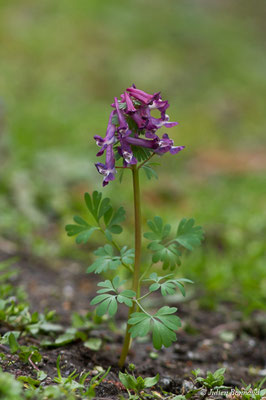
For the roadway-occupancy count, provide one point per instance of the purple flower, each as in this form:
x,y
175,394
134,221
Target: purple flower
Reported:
x,y
166,144
109,137
148,144
129,103
160,105
138,118
107,169
121,118
159,146
126,152
157,123
132,124
142,96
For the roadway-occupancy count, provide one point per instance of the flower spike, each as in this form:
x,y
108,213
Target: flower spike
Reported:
x,y
131,126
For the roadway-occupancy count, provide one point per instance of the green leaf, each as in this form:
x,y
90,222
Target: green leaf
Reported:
x,y
115,119
104,208
107,285
13,344
188,235
167,286
149,382
159,230
118,217
107,300
116,229
149,171
27,379
140,153
169,255
127,380
93,344
83,230
127,255
65,338
108,235
100,298
126,297
122,105
106,261
103,308
107,216
84,236
162,325
112,221
97,206
93,202
80,221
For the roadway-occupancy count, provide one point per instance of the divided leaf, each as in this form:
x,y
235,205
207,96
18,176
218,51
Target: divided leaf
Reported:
x,y
126,297
141,153
127,255
82,229
159,230
106,260
168,286
115,219
188,235
169,255
149,171
109,296
99,208
162,325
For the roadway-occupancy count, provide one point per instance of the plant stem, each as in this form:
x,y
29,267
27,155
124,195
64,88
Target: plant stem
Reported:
x,y
136,273
137,213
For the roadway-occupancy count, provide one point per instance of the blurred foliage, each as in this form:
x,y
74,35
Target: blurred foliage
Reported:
x,y
61,64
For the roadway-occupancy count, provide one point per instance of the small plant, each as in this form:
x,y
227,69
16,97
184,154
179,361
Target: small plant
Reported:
x,y
249,392
132,138
9,388
71,384
212,382
137,385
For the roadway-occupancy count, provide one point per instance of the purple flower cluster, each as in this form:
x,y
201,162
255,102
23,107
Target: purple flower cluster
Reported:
x,y
130,126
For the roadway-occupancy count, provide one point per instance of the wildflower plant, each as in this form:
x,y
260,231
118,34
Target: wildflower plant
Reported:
x,y
130,142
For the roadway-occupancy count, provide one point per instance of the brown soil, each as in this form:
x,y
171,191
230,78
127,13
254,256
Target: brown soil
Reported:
x,y
201,342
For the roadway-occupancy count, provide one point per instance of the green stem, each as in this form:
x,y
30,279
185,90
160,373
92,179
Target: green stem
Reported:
x,y
144,296
143,310
136,273
144,162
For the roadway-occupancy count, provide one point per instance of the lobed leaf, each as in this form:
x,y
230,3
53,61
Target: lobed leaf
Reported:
x,y
162,325
107,302
106,261
168,255
149,171
127,255
159,230
188,235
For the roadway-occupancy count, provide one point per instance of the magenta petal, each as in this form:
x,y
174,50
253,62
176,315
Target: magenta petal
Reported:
x,y
176,149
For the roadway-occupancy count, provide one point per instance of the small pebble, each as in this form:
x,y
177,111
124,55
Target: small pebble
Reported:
x,y
187,386
166,383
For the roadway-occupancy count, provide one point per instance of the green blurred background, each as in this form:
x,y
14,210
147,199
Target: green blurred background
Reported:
x,y
61,64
